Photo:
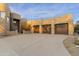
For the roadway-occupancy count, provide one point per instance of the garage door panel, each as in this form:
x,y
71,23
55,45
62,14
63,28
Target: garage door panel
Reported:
x,y
36,28
61,28
46,28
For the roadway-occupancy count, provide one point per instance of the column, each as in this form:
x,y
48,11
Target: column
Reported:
x,y
40,29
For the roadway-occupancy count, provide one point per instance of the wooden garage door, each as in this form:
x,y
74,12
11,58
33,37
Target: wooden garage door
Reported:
x,y
46,28
61,28
36,28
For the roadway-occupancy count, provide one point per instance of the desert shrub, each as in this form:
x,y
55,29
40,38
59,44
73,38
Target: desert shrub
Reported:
x,y
77,41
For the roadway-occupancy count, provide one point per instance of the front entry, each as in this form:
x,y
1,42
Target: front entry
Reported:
x,y
61,28
16,25
46,28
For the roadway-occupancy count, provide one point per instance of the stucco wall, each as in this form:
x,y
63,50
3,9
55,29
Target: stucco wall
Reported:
x,y
3,21
71,29
63,19
2,7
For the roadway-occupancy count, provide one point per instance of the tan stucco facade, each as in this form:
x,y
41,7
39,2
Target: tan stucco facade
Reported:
x,y
58,20
5,12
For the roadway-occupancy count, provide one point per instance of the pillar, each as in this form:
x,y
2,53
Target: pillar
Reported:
x,y
40,29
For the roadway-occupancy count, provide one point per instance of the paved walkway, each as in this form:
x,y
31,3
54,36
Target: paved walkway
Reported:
x,y
33,45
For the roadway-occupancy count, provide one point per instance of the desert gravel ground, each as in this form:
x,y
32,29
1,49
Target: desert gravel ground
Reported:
x,y
71,46
33,45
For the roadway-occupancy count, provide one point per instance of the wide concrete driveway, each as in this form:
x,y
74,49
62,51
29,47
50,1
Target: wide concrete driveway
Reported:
x,y
34,45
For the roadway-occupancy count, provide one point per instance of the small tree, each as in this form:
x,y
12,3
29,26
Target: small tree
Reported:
x,y
25,26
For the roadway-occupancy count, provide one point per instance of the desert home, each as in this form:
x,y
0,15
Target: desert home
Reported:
x,y
58,25
10,22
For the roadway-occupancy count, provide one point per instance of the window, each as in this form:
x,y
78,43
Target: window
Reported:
x,y
7,19
2,15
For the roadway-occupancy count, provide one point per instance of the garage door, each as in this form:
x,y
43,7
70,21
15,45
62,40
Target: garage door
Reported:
x,y
46,28
61,28
36,28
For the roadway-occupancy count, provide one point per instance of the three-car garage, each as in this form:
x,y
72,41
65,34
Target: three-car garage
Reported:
x,y
61,28
60,25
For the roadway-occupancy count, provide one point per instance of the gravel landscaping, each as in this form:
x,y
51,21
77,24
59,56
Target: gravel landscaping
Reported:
x,y
71,46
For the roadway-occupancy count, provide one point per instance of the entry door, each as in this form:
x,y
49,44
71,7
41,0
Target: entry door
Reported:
x,y
61,28
17,25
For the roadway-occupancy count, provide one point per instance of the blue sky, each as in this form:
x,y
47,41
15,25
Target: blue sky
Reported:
x,y
45,10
